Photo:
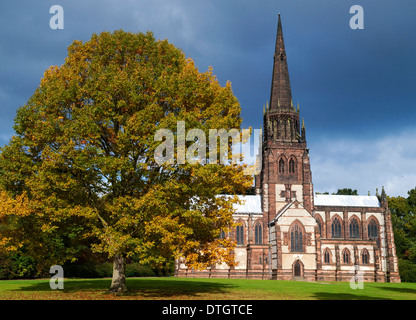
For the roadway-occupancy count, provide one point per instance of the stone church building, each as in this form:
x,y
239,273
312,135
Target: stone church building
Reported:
x,y
285,231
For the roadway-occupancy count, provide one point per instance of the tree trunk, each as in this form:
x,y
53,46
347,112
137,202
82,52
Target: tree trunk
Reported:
x,y
118,284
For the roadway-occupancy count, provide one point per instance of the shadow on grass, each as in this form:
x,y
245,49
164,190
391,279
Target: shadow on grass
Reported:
x,y
400,289
140,287
344,296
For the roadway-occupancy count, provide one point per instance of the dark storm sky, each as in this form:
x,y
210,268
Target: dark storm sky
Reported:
x,y
356,88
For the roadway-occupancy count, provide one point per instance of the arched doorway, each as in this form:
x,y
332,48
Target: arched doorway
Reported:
x,y
297,269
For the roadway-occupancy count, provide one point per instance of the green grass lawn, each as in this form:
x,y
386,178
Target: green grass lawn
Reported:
x,y
213,289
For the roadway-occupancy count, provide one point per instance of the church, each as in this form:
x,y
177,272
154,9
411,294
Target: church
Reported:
x,y
286,232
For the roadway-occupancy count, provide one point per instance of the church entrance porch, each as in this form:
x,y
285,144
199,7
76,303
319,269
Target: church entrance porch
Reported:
x,y
297,270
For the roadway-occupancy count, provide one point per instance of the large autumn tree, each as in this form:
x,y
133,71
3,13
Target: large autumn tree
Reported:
x,y
81,167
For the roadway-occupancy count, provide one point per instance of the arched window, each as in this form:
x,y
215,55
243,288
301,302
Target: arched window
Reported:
x,y
240,234
258,234
292,166
281,165
296,239
346,256
364,257
327,256
336,228
354,229
222,234
372,229
320,223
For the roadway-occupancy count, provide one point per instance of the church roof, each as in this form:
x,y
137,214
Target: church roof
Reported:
x,y
345,201
252,204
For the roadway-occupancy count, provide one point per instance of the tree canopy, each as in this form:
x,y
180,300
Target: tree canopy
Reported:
x,y
403,212
344,191
80,170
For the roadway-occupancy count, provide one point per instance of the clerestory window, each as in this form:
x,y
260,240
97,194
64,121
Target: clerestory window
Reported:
x,y
336,228
372,229
354,229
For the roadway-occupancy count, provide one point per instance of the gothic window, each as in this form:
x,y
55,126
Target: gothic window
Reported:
x,y
372,229
319,222
258,234
346,256
240,234
292,166
281,166
222,234
327,256
354,229
296,244
364,257
336,228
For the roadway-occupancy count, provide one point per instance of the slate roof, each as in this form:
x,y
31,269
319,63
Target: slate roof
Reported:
x,y
252,204
345,201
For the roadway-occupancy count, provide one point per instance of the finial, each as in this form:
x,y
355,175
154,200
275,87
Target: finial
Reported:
x,y
303,123
377,192
278,103
369,194
267,105
298,107
264,109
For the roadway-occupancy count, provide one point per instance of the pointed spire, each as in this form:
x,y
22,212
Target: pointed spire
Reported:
x,y
383,198
303,130
383,193
281,95
298,107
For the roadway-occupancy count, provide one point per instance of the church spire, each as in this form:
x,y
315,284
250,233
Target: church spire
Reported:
x,y
281,95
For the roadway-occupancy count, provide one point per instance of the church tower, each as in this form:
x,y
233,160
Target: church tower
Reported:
x,y
286,175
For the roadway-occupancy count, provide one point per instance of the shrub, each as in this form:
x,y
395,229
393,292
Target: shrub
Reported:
x,y
17,266
135,269
407,271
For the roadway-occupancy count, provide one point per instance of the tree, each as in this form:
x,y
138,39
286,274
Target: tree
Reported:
x,y
404,223
344,191
81,168
347,191
403,213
